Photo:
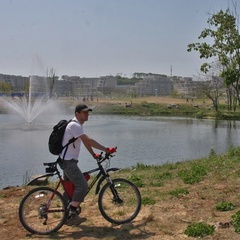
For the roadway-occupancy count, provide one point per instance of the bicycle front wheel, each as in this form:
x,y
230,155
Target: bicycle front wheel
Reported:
x,y
119,202
42,211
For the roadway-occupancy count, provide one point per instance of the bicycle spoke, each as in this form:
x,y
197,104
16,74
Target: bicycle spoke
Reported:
x,y
121,208
39,214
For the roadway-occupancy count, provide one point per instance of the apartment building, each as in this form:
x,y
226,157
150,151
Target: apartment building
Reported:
x,y
106,83
84,87
18,83
79,87
154,85
184,85
149,85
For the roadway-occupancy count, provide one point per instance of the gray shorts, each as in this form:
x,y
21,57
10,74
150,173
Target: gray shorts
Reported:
x,y
73,173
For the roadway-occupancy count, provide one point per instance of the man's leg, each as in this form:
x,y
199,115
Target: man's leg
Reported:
x,y
74,174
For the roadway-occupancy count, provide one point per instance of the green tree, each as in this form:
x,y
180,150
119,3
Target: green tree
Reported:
x,y
126,81
223,30
51,77
5,87
211,88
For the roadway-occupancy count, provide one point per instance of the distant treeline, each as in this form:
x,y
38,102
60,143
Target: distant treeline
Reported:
x,y
135,79
127,81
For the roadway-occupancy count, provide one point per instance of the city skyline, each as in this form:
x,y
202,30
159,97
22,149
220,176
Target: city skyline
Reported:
x,y
99,38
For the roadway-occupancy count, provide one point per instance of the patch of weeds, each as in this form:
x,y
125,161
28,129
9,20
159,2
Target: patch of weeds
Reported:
x,y
137,180
199,230
235,220
179,192
199,114
173,166
212,153
233,151
225,206
26,178
148,201
193,175
155,183
141,166
238,172
163,176
2,195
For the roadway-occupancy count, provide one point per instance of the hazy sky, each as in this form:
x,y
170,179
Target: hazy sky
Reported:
x,y
92,38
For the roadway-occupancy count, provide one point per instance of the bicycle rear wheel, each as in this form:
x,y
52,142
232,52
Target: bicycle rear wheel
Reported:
x,y
42,211
119,202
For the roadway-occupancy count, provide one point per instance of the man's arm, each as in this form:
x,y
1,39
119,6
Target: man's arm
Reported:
x,y
90,143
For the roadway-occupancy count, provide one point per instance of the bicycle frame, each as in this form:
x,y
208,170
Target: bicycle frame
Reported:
x,y
53,170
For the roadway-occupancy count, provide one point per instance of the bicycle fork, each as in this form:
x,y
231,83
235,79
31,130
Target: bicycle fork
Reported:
x,y
113,187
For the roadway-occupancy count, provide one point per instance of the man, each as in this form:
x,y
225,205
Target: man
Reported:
x,y
69,157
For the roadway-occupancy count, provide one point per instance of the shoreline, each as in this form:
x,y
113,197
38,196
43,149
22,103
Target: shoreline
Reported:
x,y
151,106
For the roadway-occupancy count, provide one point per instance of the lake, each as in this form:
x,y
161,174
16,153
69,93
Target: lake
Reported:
x,y
147,140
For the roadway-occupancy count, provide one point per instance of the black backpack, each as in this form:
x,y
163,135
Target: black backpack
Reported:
x,y
56,137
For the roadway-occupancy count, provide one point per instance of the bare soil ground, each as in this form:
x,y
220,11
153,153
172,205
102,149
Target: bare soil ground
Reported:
x,y
166,219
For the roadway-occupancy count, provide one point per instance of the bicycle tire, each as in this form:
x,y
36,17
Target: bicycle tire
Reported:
x,y
125,210
36,217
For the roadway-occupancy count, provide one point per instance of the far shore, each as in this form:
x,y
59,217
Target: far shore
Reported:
x,y
151,106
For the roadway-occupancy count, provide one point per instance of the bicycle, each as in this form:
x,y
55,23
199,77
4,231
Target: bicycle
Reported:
x,y
44,210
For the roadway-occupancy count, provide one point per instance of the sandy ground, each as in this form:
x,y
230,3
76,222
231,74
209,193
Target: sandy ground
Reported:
x,y
163,220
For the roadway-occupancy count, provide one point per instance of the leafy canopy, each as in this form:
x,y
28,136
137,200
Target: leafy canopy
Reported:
x,y
225,45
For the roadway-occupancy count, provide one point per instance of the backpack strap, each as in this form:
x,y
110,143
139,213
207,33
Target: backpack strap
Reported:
x,y
72,140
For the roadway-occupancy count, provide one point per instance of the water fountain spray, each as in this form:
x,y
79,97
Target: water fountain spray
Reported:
x,y
31,105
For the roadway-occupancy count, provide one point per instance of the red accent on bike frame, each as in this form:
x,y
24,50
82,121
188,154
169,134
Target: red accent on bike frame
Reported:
x,y
69,186
87,176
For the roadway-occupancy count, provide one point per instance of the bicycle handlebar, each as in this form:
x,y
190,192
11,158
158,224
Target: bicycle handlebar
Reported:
x,y
103,157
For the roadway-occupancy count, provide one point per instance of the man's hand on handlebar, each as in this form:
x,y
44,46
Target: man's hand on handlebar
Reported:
x,y
111,150
108,153
96,156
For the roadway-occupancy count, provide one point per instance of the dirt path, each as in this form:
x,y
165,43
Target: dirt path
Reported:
x,y
163,220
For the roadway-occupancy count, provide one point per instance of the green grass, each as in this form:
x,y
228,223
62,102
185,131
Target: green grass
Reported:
x,y
179,192
236,221
178,176
225,206
162,109
193,174
147,109
148,201
199,230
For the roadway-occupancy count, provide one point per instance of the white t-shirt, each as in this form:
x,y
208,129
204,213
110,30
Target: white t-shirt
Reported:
x,y
73,129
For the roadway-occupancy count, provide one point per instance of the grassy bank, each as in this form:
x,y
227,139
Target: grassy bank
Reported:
x,y
162,109
206,192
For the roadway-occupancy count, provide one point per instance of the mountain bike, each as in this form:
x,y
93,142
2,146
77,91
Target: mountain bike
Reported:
x,y
44,210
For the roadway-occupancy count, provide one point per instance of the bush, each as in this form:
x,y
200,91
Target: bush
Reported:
x,y
137,180
225,206
199,230
193,175
236,221
199,115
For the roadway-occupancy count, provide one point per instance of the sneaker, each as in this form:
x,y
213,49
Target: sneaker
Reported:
x,y
74,219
